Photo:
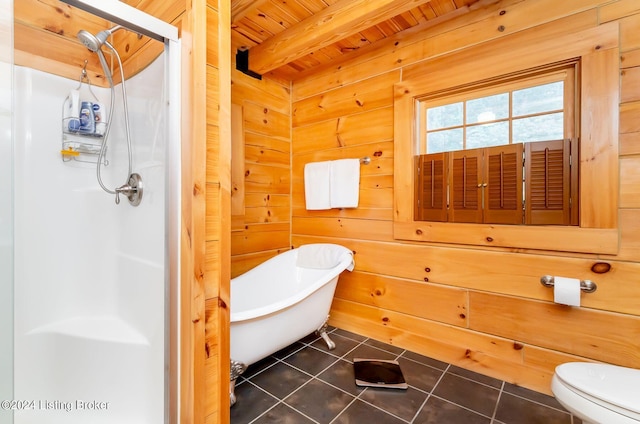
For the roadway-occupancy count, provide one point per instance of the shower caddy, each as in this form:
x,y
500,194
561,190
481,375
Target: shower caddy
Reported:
x,y
77,145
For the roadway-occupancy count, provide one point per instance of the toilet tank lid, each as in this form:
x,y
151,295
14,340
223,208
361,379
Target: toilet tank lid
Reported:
x,y
615,385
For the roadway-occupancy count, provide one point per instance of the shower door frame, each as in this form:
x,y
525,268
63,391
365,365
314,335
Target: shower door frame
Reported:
x,y
6,212
145,24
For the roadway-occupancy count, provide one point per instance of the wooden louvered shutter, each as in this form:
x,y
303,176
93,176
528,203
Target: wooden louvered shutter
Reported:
x,y
548,183
431,187
503,190
466,202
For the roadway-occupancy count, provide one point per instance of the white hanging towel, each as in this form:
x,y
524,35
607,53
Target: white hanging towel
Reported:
x,y
345,183
317,191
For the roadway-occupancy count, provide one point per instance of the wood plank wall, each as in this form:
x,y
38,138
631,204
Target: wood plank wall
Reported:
x,y
206,189
472,306
45,39
261,194
217,223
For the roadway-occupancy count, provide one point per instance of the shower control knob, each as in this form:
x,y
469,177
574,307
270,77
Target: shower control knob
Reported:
x,y
133,190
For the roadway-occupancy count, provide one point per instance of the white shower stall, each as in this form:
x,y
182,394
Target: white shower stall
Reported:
x,y
92,281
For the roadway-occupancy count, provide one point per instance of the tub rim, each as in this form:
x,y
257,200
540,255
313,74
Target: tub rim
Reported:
x,y
286,302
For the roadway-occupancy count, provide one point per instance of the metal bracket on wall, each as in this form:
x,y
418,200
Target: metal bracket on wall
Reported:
x,y
242,64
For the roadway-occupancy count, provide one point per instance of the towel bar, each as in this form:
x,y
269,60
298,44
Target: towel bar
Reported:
x,y
586,286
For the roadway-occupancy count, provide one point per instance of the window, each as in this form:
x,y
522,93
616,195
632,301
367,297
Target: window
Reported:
x,y
534,113
595,50
500,151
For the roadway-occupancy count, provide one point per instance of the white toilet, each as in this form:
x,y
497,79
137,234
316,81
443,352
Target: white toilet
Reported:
x,y
598,393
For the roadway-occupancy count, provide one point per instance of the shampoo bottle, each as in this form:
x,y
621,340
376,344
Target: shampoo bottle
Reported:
x,y
87,119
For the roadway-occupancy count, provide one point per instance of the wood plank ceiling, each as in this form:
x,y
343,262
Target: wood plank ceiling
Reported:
x,y
289,38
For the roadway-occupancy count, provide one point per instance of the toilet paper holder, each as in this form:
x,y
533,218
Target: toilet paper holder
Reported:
x,y
586,286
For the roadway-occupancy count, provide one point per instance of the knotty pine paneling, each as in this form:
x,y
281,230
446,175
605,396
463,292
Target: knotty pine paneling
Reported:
x,y
547,359
443,340
46,29
487,354
216,45
363,229
515,52
213,371
257,200
212,37
630,84
629,34
380,155
630,59
267,150
608,337
500,272
213,152
263,229
423,300
56,17
66,59
260,119
630,184
213,95
476,27
344,131
385,56
630,117
359,97
212,272
266,214
266,179
630,237
618,9
272,94
545,31
243,263
260,237
213,218
269,212
630,144
382,214
170,11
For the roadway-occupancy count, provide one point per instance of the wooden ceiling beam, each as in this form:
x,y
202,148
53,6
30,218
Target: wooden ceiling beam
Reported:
x,y
336,22
241,8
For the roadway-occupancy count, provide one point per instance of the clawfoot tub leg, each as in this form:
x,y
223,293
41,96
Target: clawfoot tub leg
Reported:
x,y
237,368
322,332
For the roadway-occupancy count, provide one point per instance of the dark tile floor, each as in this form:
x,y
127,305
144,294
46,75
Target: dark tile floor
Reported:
x,y
306,383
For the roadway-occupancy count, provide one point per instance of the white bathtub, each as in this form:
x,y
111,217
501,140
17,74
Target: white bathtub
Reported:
x,y
282,300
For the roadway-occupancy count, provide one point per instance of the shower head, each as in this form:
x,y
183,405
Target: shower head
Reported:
x,y
89,40
94,42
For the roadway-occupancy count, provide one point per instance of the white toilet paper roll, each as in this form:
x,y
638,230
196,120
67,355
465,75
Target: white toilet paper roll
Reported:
x,y
566,291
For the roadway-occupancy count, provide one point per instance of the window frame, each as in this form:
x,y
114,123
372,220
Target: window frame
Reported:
x,y
598,53
565,72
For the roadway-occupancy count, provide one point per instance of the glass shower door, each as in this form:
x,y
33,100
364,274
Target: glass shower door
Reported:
x,y
6,212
